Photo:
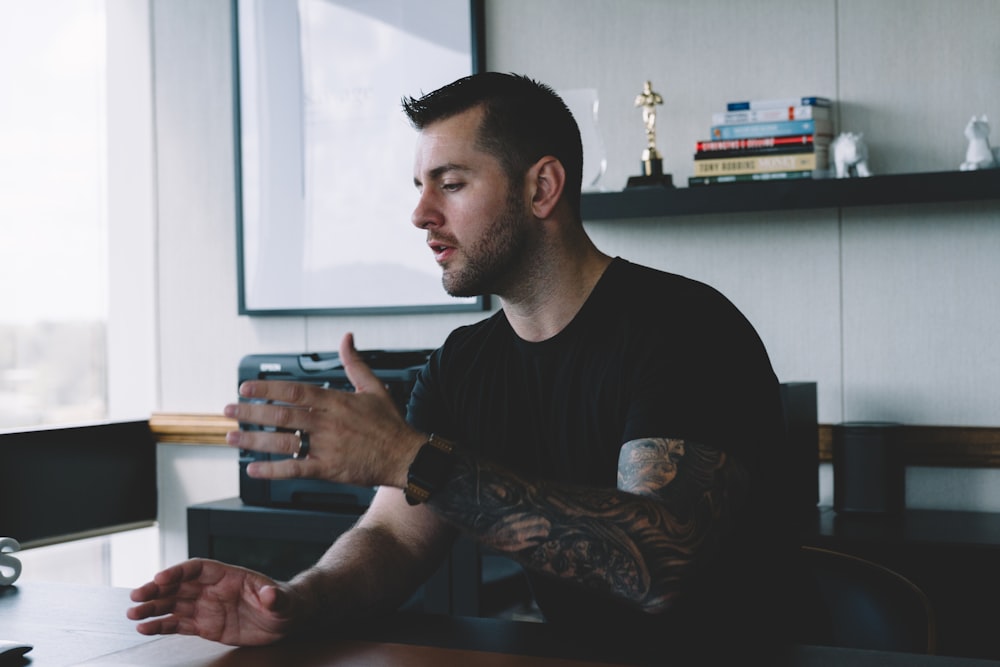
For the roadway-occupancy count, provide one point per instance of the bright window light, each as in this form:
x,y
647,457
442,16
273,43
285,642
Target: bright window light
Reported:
x,y
53,213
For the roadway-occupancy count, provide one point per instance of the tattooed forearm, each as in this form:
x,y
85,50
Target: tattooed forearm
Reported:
x,y
636,542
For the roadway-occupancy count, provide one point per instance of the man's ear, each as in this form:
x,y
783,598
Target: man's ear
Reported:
x,y
546,180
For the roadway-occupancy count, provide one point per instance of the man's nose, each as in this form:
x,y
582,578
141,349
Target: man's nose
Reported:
x,y
425,214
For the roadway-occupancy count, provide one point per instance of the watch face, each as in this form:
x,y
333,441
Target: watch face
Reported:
x,y
429,470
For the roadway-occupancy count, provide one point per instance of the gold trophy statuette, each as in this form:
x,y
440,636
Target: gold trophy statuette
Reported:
x,y
652,160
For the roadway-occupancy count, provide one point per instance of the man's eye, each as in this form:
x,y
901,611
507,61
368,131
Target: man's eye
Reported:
x,y
451,187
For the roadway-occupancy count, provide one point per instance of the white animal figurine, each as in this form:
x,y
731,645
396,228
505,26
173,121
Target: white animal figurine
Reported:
x,y
850,155
979,154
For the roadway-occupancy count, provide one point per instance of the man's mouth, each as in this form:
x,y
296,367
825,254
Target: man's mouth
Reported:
x,y
442,251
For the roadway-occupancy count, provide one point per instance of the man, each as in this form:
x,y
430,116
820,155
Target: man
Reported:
x,y
615,429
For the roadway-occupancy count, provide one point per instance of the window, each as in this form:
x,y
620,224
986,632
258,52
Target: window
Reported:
x,y
76,212
77,243
53,239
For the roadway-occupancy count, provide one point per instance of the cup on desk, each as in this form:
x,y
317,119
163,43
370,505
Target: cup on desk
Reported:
x,y
10,567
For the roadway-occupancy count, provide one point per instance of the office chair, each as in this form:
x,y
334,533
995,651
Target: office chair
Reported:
x,y
861,604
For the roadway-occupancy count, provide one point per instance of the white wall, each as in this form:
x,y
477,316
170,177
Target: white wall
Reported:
x,y
187,475
132,353
892,310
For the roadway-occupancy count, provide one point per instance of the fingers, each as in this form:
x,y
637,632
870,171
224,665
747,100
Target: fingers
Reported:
x,y
172,624
266,442
284,469
145,592
278,403
167,582
274,599
274,443
352,434
358,372
158,607
160,626
290,406
164,596
213,600
283,391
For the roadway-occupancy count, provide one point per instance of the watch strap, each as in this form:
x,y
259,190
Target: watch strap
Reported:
x,y
429,470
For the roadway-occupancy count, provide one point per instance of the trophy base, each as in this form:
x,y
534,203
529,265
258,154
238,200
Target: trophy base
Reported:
x,y
652,172
656,180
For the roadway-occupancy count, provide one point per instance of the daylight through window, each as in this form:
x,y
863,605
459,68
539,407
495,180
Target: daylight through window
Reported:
x,y
53,213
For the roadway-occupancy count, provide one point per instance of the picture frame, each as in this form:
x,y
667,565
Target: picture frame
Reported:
x,y
324,152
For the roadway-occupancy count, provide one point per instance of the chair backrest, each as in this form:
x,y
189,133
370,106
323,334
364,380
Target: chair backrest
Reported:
x,y
865,605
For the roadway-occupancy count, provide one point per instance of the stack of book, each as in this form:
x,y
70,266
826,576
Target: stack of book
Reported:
x,y
766,139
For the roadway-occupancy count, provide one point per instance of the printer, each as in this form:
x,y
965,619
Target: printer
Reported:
x,y
396,368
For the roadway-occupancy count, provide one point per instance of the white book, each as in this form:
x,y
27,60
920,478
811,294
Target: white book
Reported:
x,y
779,103
768,115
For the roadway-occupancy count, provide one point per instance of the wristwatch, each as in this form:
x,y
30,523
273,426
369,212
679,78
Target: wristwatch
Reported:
x,y
429,470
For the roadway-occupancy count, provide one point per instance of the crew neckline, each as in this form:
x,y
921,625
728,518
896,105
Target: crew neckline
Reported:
x,y
579,319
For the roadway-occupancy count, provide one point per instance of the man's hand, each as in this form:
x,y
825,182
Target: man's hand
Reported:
x,y
355,437
216,601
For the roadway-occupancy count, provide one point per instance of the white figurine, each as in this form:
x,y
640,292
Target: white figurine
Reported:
x,y
979,154
850,155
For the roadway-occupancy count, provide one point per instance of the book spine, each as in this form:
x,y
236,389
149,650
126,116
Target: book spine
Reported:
x,y
779,102
772,150
814,161
759,142
754,152
744,178
782,128
768,115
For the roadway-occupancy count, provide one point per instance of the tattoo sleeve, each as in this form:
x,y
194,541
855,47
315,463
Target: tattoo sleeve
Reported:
x,y
674,500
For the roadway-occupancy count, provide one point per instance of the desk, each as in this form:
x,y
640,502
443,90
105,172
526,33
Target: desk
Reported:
x,y
80,625
65,623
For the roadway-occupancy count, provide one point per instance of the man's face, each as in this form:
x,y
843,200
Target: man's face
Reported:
x,y
476,224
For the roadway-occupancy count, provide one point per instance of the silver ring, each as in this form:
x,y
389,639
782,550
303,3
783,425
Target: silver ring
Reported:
x,y
303,450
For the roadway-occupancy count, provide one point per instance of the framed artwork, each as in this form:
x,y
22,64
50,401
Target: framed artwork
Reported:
x,y
324,152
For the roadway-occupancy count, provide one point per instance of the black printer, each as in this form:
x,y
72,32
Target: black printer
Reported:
x,y
396,368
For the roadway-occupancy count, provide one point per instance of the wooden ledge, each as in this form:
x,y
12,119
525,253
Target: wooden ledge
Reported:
x,y
935,446
191,428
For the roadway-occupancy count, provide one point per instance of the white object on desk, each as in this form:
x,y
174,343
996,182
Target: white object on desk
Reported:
x,y
8,563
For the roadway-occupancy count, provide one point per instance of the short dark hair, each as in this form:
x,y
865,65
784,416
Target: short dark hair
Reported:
x,y
524,120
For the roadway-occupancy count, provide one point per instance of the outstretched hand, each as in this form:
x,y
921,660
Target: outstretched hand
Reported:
x,y
220,602
355,437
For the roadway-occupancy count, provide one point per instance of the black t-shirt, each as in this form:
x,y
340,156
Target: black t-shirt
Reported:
x,y
650,354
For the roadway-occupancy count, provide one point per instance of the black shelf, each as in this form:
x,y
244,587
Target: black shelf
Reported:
x,y
920,188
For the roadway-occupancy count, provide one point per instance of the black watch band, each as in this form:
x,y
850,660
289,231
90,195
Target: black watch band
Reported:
x,y
429,470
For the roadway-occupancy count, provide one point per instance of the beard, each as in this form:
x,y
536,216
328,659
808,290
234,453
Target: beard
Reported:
x,y
493,260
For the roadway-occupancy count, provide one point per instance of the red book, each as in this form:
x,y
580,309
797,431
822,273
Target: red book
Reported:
x,y
805,140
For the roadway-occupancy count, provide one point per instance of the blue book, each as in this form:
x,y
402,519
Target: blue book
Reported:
x,y
779,103
781,128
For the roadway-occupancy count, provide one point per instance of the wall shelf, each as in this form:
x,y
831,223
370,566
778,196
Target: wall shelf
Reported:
x,y
920,188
